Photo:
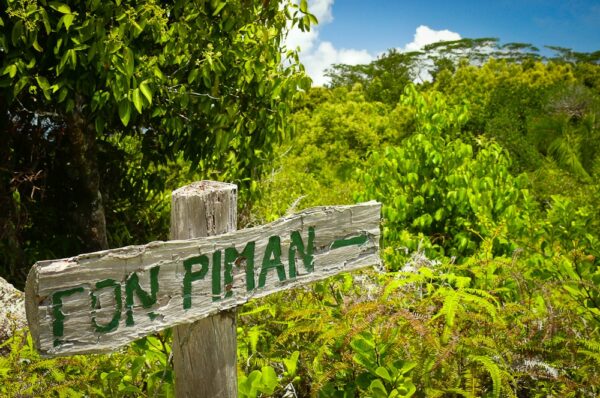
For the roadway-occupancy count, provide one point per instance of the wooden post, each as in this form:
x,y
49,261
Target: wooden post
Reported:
x,y
204,352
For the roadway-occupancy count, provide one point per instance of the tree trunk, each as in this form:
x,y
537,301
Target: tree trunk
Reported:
x,y
87,210
10,247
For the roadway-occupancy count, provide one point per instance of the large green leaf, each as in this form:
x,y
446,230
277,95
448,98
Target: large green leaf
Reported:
x,y
125,111
67,19
146,91
137,100
60,7
129,61
219,7
304,6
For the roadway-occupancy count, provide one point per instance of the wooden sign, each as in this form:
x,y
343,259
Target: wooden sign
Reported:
x,y
99,301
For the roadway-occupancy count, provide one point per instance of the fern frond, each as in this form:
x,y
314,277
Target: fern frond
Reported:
x,y
459,391
567,156
493,370
57,374
434,393
451,304
484,343
307,327
257,310
403,281
44,364
480,299
507,388
592,345
483,294
472,383
591,354
417,324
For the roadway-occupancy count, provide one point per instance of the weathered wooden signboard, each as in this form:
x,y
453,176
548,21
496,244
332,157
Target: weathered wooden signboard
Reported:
x,y
97,302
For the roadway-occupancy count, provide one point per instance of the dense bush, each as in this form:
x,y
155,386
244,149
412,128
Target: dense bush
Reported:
x,y
489,181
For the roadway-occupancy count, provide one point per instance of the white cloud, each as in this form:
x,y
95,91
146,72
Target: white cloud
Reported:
x,y
321,9
325,55
318,56
306,40
424,35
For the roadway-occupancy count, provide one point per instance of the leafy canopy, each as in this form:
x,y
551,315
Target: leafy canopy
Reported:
x,y
198,76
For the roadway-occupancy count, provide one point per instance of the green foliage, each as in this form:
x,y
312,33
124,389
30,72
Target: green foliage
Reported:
x,y
383,79
127,58
24,373
570,244
433,115
493,285
205,86
142,369
394,381
266,381
569,133
262,381
493,370
487,327
318,166
382,377
501,308
441,192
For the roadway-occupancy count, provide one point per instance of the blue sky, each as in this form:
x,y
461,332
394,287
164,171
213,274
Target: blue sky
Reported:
x,y
357,31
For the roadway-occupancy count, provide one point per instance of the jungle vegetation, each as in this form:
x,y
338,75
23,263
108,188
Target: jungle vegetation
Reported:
x,y
485,156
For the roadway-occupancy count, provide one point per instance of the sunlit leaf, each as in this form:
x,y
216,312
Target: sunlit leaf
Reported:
x,y
137,100
60,7
124,111
129,61
219,8
145,89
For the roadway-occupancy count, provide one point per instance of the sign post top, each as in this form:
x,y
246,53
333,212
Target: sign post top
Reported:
x,y
204,187
212,202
